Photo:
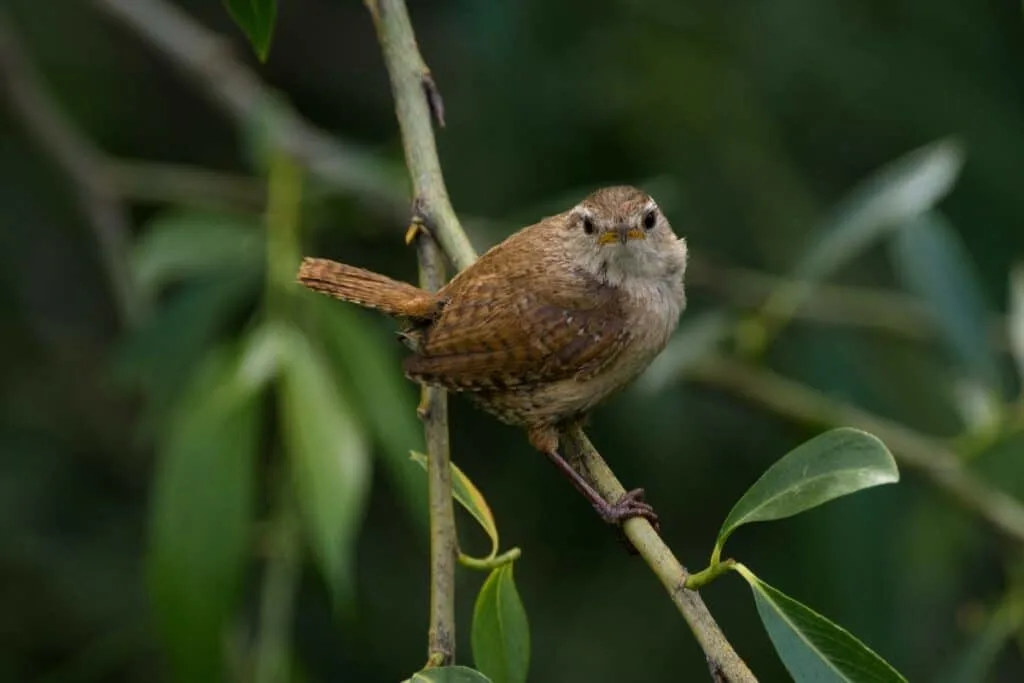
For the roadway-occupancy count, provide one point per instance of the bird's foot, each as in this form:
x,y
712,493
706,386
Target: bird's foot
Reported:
x,y
630,505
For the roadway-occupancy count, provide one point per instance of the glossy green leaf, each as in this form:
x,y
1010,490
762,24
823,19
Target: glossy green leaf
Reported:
x,y
329,460
256,18
180,244
1015,324
933,263
448,674
201,516
833,464
469,496
895,194
501,634
814,649
367,362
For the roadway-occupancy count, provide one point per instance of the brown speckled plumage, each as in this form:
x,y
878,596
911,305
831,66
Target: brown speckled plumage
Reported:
x,y
547,323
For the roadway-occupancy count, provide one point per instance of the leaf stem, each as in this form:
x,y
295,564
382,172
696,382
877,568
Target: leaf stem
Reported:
x,y
709,574
489,563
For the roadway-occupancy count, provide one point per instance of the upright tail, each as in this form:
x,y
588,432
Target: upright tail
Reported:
x,y
366,288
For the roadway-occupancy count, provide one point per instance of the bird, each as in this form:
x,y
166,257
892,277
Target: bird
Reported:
x,y
546,324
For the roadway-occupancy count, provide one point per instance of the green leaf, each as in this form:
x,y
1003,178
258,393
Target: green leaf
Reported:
x,y
501,634
367,364
159,356
1015,324
895,194
812,648
329,459
933,264
201,516
833,464
469,496
180,244
256,18
448,674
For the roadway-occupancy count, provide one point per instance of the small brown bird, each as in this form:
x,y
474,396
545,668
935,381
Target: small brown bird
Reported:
x,y
546,324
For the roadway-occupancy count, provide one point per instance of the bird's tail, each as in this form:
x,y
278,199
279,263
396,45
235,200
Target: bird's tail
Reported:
x,y
366,288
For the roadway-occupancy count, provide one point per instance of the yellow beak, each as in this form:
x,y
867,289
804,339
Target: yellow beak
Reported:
x,y
621,235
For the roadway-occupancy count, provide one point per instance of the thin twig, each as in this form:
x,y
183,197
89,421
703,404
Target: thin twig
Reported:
x,y
209,60
722,659
925,454
415,101
80,160
146,181
444,547
873,308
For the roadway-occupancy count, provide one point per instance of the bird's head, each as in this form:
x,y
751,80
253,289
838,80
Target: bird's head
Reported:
x,y
619,234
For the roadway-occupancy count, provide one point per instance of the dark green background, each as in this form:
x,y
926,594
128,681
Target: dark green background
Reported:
x,y
750,119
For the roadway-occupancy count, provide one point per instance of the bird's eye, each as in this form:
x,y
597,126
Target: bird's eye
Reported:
x,y
650,219
588,226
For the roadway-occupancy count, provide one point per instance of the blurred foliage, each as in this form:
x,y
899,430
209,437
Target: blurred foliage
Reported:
x,y
747,120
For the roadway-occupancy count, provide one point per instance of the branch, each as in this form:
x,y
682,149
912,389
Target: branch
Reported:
x,y
929,456
208,60
80,160
416,102
147,181
723,661
873,308
416,99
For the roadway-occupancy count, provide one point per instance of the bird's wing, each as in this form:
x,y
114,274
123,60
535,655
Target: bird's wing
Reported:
x,y
534,326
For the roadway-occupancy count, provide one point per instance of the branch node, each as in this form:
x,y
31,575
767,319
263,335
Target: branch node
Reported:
x,y
434,100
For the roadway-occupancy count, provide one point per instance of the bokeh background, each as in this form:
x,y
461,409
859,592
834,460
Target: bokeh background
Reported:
x,y
749,121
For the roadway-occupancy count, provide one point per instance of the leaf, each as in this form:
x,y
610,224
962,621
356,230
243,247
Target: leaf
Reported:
x,y
812,648
501,634
448,674
256,18
933,264
469,496
180,244
328,457
201,516
895,194
159,356
1015,324
833,464
386,402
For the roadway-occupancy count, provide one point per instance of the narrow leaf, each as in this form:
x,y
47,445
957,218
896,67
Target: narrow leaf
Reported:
x,y
1015,329
812,648
201,516
448,674
329,460
933,263
469,496
833,464
895,194
501,634
256,18
368,365
180,244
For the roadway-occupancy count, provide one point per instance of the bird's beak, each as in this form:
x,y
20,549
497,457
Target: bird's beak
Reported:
x,y
622,234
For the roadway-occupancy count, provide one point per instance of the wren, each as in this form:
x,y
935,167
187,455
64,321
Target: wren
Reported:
x,y
545,325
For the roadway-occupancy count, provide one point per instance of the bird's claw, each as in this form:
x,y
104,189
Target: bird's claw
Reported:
x,y
630,505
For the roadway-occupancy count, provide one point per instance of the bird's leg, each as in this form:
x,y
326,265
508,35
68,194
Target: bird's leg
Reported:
x,y
545,440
